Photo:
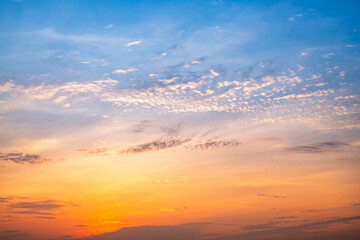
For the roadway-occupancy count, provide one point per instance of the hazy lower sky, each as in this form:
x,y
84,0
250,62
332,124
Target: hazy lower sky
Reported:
x,y
182,120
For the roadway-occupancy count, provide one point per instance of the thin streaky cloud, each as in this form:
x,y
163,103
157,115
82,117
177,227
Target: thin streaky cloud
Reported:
x,y
109,26
21,158
214,145
318,147
134,43
155,146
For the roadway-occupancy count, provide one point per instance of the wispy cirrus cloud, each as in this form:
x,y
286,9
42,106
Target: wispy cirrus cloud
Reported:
x,y
37,205
271,195
140,127
123,71
133,43
21,158
109,26
46,209
214,145
318,147
155,145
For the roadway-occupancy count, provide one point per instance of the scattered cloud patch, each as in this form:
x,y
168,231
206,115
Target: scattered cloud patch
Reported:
x,y
141,127
124,71
318,147
81,226
214,145
109,26
155,145
134,43
21,158
13,234
271,196
293,18
214,73
260,226
174,232
37,205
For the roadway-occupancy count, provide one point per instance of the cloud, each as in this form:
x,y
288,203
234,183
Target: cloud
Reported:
x,y
214,144
259,226
46,209
47,205
318,147
140,127
4,199
297,232
124,71
215,74
81,226
13,235
296,16
271,195
95,151
21,158
109,26
33,212
155,145
134,43
287,217
175,232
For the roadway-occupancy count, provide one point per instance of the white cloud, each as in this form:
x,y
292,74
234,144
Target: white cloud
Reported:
x,y
215,74
195,62
134,43
109,26
296,16
123,71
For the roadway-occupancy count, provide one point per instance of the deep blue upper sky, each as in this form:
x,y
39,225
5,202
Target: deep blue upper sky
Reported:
x,y
208,43
35,33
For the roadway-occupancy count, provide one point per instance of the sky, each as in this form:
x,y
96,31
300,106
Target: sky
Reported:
x,y
183,120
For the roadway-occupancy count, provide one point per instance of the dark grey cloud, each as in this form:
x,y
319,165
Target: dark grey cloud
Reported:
x,y
13,235
141,126
311,210
260,226
297,232
33,212
98,151
271,195
155,145
45,217
21,158
356,204
214,144
5,199
318,147
37,205
175,232
46,209
286,217
94,151
260,231
81,226
173,131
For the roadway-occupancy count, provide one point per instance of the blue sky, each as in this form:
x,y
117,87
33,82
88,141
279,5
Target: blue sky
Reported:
x,y
240,57
54,37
